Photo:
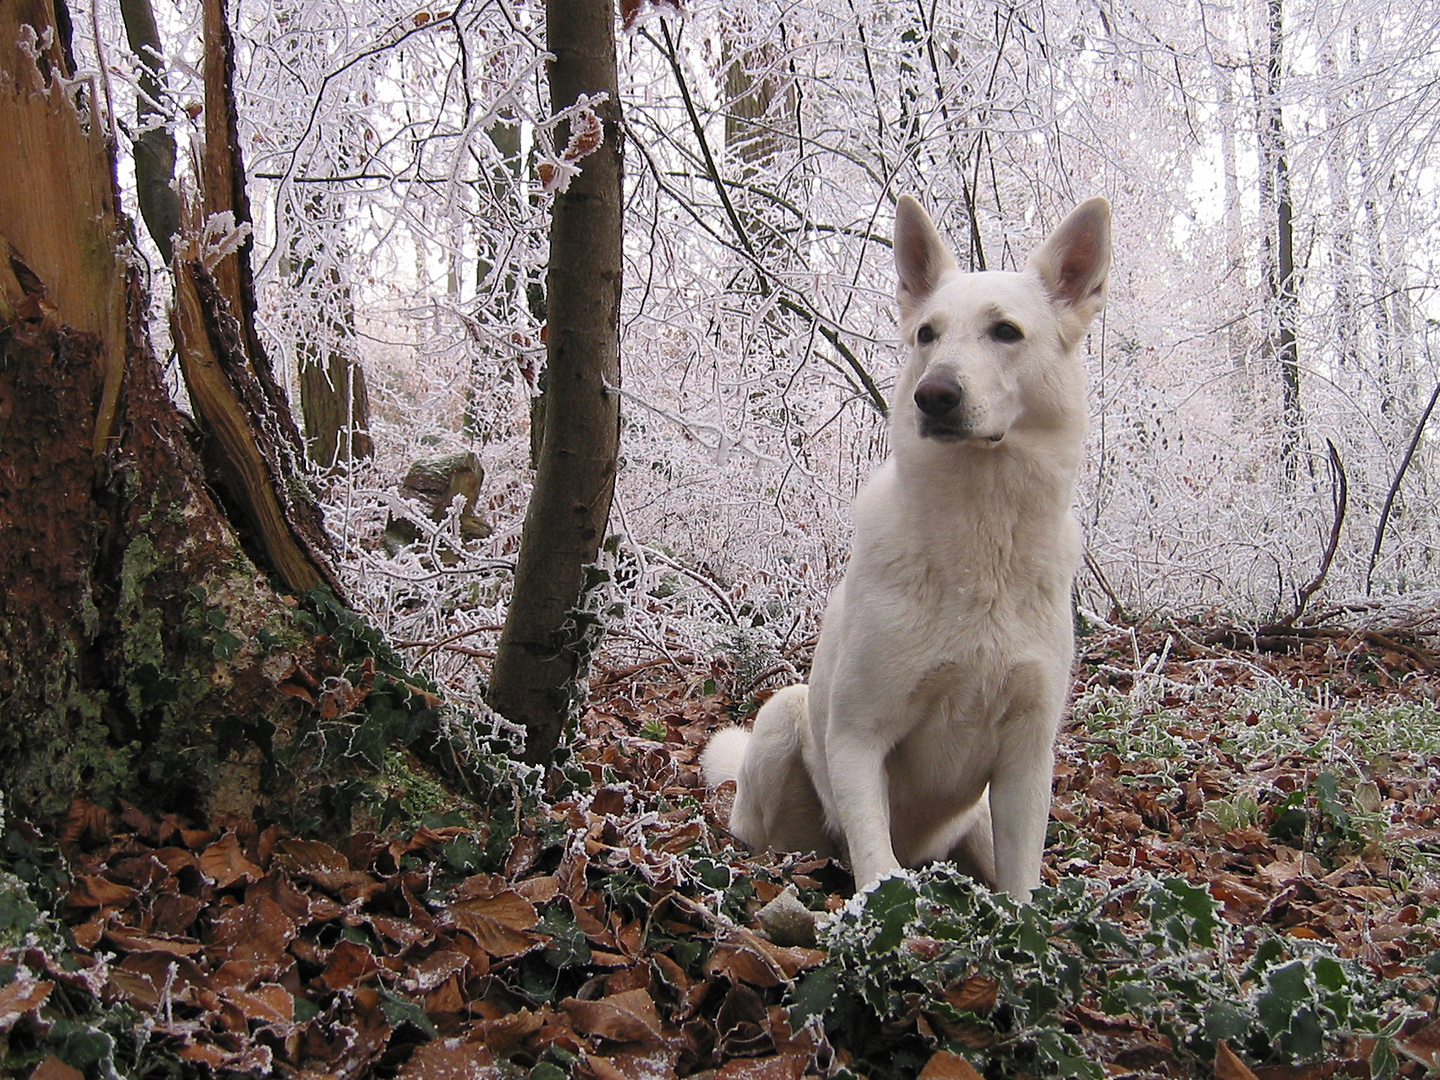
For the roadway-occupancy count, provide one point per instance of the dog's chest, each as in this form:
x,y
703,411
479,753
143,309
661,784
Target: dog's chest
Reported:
x,y
968,626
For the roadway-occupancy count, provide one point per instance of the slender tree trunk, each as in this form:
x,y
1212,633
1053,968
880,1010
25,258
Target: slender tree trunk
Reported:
x,y
154,145
334,396
542,649
1281,284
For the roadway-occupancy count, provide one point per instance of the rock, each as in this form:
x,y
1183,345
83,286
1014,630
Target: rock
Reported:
x,y
786,921
434,483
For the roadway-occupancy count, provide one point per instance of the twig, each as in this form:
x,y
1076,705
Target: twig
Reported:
x,y
608,678
1117,609
1339,496
1395,486
763,278
445,642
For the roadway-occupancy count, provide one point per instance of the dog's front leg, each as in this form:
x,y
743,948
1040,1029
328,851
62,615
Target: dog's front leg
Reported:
x,y
1019,812
859,784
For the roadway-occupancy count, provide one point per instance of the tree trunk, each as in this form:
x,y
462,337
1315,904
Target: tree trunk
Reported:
x,y
334,397
142,653
154,145
335,404
1281,284
542,649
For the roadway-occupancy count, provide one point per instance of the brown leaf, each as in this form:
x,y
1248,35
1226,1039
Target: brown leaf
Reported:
x,y
225,864
747,957
628,1066
87,934
503,1032
1228,1065
148,978
349,964
500,923
1236,895
258,929
539,890
84,822
976,994
740,964
173,914
52,1068
789,1066
20,997
743,1023
943,1065
429,973
208,1053
91,891
627,1017
132,941
309,857
402,932
1424,1045
269,1004
449,1059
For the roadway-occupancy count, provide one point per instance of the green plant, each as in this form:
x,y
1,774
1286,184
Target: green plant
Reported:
x,y
1000,981
1316,819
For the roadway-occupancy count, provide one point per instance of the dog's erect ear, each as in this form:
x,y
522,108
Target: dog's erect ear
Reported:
x,y
1074,261
920,255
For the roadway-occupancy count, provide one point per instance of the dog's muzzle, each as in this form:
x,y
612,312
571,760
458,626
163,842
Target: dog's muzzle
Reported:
x,y
941,401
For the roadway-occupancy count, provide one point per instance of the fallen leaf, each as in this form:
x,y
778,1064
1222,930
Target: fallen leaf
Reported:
x,y
90,891
943,1065
500,923
976,994
269,1004
449,1059
52,1068
1424,1045
348,964
1229,1066
224,864
19,997
627,1017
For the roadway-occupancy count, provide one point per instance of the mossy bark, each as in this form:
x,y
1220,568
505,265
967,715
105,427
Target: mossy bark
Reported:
x,y
143,655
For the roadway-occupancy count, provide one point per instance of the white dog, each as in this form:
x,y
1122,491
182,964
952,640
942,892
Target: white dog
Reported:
x,y
943,666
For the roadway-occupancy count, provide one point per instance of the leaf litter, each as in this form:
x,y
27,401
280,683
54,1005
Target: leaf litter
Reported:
x,y
1241,881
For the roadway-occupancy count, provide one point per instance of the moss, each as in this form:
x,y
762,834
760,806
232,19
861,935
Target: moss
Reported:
x,y
65,745
407,782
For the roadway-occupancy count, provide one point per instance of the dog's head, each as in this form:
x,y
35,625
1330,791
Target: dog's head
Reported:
x,y
992,354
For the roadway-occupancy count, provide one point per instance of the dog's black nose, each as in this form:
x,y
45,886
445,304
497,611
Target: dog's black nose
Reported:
x,y
938,394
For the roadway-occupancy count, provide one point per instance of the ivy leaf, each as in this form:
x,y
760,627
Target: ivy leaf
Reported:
x,y
813,996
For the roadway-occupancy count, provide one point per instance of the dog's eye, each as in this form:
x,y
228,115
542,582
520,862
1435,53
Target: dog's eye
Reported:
x,y
1006,331
926,334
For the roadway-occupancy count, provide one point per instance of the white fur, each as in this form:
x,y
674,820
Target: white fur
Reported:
x,y
943,666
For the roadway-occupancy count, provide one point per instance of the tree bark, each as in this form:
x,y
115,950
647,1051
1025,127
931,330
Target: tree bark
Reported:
x,y
240,405
142,653
154,145
334,396
542,649
1281,283
335,404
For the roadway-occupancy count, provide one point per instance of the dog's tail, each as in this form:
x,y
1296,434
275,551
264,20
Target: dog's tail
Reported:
x,y
720,760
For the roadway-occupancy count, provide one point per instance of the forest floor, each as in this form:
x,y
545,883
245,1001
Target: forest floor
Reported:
x,y
1243,868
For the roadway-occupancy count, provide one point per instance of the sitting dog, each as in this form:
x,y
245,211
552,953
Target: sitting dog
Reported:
x,y
943,668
